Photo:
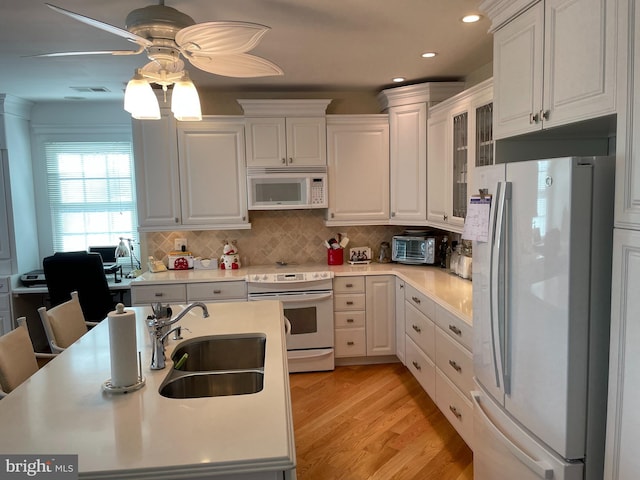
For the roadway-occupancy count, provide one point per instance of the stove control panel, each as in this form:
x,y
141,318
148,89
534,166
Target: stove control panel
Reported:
x,y
289,277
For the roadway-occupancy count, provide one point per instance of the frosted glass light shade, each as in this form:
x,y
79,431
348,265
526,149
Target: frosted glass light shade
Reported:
x,y
139,99
185,102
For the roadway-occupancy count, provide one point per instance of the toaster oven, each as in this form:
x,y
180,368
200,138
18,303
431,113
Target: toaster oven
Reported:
x,y
414,250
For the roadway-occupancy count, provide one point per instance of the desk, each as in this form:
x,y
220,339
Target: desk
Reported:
x,y
25,302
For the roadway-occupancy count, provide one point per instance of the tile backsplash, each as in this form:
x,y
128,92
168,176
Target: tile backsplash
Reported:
x,y
293,236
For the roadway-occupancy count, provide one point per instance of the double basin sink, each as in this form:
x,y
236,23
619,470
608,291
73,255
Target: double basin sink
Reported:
x,y
217,365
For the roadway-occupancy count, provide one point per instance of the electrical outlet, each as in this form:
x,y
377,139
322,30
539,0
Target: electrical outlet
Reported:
x,y
178,243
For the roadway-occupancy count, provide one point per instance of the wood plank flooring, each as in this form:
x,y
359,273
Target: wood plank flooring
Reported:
x,y
373,422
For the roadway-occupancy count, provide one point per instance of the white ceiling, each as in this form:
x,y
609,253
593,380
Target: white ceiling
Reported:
x,y
320,44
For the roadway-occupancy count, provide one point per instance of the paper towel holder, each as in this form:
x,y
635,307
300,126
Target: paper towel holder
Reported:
x,y
109,387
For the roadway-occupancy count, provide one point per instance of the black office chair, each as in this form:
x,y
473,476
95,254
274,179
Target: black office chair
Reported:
x,y
83,272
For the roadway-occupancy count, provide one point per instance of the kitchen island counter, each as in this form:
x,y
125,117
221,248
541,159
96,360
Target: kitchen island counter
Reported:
x,y
62,409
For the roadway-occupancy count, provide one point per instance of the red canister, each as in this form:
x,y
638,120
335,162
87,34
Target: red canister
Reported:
x,y
335,256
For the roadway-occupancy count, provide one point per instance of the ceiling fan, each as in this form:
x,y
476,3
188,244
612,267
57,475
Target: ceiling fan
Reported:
x,y
166,34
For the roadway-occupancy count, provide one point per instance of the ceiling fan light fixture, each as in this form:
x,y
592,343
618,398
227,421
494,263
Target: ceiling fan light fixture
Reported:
x,y
185,102
139,99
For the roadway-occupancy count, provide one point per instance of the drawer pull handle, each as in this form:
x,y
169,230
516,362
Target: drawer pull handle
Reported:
x,y
416,299
417,365
158,294
455,330
455,366
349,320
416,328
217,291
349,285
349,302
455,411
350,343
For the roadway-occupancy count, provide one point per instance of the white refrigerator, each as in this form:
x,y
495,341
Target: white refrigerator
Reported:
x,y
541,310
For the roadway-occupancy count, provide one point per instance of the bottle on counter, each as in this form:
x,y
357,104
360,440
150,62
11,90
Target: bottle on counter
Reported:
x,y
443,251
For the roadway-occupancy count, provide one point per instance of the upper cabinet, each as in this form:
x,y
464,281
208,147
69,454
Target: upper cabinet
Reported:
x,y
190,176
553,64
358,169
627,206
213,189
285,133
408,108
460,138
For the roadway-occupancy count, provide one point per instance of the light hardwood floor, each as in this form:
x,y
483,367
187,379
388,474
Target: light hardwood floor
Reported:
x,y
373,422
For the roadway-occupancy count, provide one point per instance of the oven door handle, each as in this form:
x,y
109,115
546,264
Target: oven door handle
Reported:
x,y
309,297
287,326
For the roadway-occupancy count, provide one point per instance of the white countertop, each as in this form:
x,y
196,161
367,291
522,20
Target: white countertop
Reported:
x,y
62,410
450,291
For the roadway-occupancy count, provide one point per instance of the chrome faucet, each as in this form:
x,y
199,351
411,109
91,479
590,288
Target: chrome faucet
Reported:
x,y
159,325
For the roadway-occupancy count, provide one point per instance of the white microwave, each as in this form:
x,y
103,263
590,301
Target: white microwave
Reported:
x,y
281,188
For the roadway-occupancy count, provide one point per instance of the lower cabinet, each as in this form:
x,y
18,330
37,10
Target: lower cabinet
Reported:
x,y
179,293
438,354
364,316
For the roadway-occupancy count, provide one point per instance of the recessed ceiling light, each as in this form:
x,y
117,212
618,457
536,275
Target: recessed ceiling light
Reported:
x,y
429,54
398,79
471,18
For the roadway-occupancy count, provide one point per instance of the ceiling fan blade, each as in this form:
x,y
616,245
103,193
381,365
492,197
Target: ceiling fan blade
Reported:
x,y
103,26
96,52
220,37
236,65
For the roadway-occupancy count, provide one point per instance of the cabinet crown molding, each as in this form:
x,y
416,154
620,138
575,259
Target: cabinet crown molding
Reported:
x,y
502,11
284,107
421,92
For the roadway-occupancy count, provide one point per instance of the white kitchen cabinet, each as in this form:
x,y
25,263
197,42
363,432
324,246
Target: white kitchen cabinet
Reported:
x,y
293,141
408,108
627,202
380,315
400,337
623,422
190,176
5,245
142,295
5,306
157,178
358,169
438,354
285,133
235,291
213,189
459,138
553,64
349,305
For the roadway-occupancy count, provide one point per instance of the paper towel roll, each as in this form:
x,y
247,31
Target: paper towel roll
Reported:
x,y
123,347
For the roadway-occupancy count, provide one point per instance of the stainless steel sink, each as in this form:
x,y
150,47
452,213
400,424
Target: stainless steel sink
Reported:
x,y
196,385
217,365
221,352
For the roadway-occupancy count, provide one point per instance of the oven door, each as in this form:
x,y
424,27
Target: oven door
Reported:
x,y
310,315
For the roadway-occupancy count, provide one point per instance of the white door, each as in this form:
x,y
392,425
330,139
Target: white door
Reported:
x,y
487,345
547,292
504,451
306,141
438,196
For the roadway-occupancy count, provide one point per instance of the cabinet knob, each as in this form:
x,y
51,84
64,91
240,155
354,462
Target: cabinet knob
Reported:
x,y
445,217
290,159
544,114
176,220
416,365
416,328
393,214
284,161
534,118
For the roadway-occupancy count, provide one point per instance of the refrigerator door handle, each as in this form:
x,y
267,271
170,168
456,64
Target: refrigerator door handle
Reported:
x,y
541,468
496,287
503,287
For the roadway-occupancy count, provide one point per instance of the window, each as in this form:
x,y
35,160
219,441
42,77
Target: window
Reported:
x,y
91,193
